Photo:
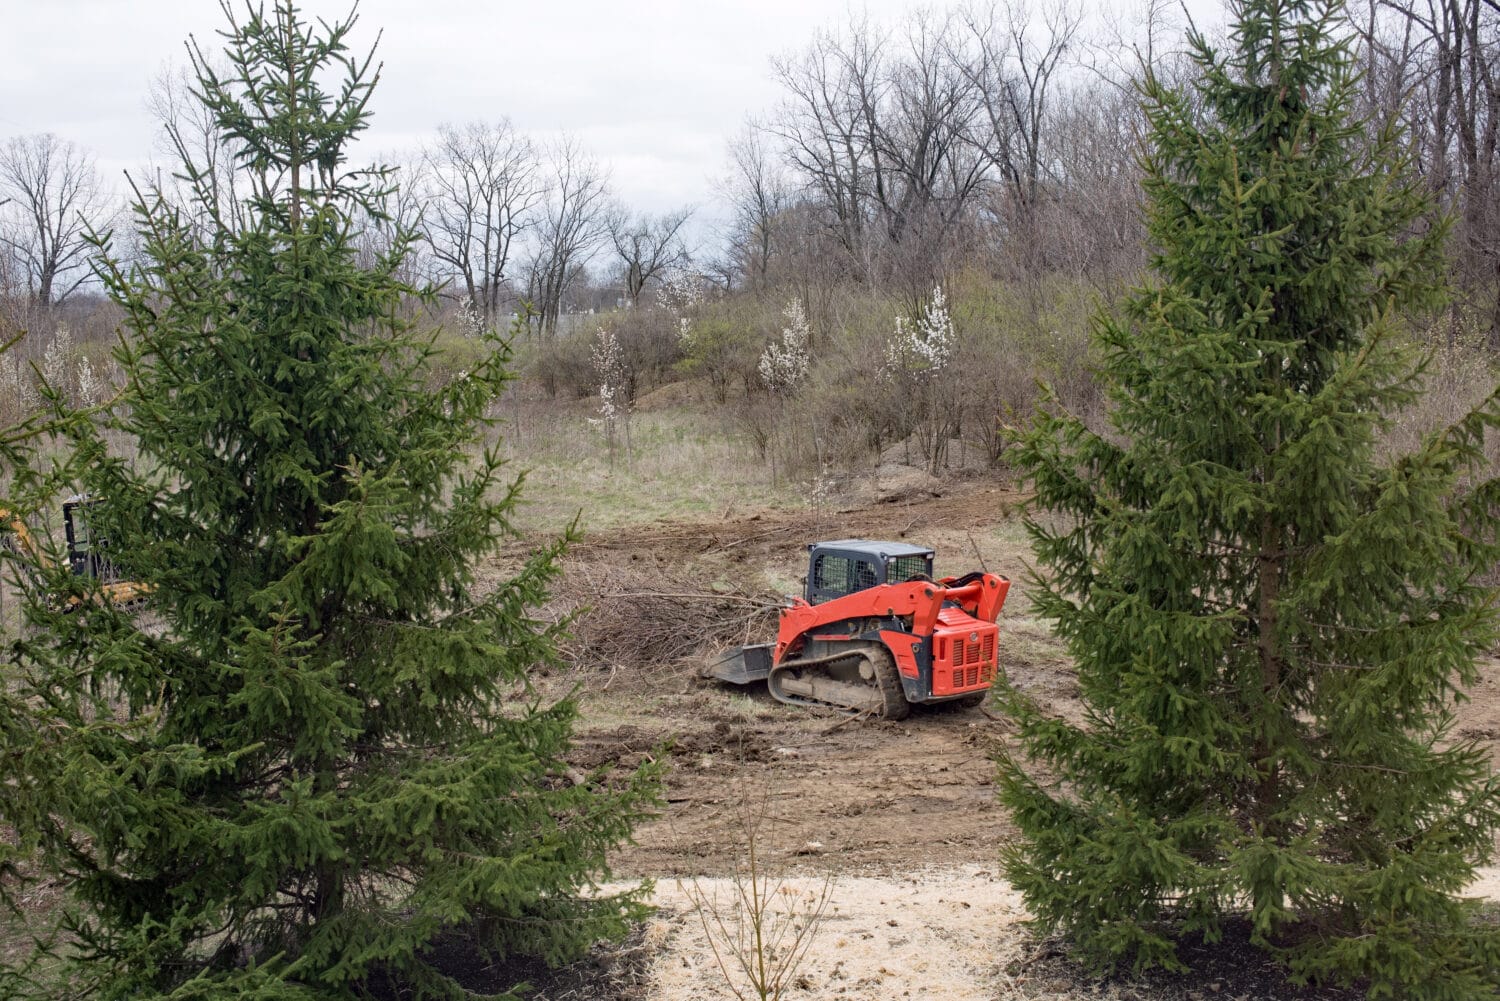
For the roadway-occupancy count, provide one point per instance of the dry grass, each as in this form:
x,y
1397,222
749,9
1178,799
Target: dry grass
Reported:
x,y
682,464
1458,378
40,902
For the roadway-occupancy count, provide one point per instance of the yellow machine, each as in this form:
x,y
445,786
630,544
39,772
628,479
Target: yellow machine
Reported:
x,y
86,556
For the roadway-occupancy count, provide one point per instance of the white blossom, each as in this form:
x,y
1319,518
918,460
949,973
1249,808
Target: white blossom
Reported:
x,y
470,319
925,347
16,385
680,290
612,372
88,383
55,360
784,363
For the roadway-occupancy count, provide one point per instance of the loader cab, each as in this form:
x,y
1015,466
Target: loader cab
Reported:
x,y
85,549
845,566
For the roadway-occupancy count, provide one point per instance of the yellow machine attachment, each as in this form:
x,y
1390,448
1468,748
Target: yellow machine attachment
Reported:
x,y
85,554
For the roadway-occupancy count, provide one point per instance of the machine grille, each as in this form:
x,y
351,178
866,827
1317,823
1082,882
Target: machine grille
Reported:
x,y
961,663
982,652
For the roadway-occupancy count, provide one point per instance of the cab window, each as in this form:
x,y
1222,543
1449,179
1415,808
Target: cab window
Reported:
x,y
904,568
843,575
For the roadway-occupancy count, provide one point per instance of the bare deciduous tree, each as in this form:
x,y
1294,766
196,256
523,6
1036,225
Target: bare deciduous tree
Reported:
x,y
823,129
51,199
192,141
646,245
1013,72
896,135
485,182
570,227
1093,222
932,170
12,295
395,220
758,193
1434,66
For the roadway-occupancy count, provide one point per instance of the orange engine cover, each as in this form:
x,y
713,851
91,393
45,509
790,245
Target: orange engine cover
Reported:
x,y
964,651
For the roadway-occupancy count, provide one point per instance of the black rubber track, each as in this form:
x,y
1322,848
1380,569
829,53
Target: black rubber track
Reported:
x,y
888,679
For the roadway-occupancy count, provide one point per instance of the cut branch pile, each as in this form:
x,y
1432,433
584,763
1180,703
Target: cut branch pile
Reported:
x,y
644,621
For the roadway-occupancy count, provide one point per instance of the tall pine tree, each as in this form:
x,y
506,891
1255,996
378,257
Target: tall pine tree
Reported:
x,y
321,753
17,473
1271,622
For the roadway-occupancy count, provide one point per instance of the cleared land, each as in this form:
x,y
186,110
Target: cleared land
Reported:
x,y
902,816
900,819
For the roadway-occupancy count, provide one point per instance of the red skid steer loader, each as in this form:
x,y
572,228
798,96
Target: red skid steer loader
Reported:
x,y
876,634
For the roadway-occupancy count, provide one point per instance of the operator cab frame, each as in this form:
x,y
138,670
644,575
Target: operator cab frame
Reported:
x,y
85,548
846,566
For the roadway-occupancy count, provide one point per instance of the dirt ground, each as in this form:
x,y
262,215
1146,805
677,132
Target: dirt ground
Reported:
x,y
865,797
901,816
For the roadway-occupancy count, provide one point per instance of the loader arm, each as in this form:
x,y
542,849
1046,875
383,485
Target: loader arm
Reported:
x,y
16,536
921,601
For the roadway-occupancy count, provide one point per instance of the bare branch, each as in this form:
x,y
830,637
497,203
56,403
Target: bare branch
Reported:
x,y
52,200
485,184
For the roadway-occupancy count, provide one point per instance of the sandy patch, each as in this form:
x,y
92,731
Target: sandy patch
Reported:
x,y
937,933
1486,884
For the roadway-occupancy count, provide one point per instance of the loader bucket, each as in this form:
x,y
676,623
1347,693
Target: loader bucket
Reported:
x,y
741,665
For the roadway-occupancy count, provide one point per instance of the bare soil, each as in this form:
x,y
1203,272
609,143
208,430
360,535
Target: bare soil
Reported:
x,y
863,796
877,805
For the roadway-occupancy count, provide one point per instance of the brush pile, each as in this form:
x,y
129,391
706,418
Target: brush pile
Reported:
x,y
636,618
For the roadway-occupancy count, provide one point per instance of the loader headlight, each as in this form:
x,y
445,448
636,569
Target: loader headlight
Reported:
x,y
973,637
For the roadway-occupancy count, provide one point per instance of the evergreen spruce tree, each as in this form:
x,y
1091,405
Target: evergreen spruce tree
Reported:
x,y
321,753
16,473
1271,621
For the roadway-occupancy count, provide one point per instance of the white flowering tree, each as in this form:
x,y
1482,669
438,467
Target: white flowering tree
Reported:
x,y
18,395
680,291
471,318
20,378
918,359
679,295
922,349
784,362
614,400
782,367
90,388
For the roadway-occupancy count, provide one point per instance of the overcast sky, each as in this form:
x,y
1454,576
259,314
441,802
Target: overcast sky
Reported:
x,y
653,88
